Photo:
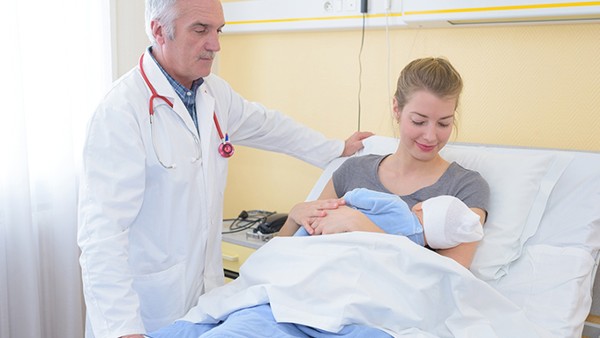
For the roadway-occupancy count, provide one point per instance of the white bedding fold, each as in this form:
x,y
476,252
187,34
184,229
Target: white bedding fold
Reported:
x,y
383,281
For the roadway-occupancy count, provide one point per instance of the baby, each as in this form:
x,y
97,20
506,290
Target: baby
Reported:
x,y
439,222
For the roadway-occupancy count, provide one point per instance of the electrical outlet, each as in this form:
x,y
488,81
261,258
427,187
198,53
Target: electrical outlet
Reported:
x,y
350,5
333,6
337,5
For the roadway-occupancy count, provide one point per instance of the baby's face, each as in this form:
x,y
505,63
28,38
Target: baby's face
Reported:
x,y
417,209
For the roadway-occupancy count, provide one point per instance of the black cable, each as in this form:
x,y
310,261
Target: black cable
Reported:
x,y
362,43
246,220
241,225
234,226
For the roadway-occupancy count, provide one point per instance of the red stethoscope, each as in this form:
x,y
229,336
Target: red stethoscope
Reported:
x,y
226,149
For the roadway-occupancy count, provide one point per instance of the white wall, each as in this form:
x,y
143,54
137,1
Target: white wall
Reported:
x,y
129,37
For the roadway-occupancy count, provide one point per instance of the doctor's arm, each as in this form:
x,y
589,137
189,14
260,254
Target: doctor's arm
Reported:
x,y
111,195
253,125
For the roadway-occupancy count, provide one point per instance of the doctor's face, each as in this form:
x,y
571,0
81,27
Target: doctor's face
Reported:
x,y
188,54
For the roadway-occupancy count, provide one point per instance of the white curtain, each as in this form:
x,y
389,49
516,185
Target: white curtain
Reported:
x,y
54,68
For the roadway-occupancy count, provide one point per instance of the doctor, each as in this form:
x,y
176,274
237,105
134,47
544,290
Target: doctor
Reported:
x,y
155,165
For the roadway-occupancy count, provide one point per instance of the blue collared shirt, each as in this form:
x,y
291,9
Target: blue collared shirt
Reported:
x,y
188,96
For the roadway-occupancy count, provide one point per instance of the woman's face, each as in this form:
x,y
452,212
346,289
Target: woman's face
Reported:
x,y
426,123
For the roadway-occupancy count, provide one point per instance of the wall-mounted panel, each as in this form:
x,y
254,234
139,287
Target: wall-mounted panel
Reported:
x,y
459,12
281,15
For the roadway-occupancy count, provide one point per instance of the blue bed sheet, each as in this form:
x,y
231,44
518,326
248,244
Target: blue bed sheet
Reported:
x,y
258,322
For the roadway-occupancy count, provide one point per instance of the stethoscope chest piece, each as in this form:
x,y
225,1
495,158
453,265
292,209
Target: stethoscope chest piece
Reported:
x,y
226,149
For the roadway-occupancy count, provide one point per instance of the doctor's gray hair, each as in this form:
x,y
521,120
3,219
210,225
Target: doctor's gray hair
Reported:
x,y
163,11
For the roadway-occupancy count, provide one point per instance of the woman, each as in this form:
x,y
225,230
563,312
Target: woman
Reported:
x,y
424,107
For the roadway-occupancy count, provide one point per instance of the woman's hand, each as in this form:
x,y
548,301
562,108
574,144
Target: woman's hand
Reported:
x,y
343,219
305,213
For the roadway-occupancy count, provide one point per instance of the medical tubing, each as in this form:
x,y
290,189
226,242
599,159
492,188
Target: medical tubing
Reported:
x,y
362,43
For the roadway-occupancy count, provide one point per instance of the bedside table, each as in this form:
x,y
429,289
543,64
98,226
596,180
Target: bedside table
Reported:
x,y
236,248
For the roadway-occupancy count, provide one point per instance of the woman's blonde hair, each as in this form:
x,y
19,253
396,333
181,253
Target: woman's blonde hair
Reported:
x,y
435,75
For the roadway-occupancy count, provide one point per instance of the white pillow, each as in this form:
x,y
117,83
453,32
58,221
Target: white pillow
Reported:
x,y
520,184
552,285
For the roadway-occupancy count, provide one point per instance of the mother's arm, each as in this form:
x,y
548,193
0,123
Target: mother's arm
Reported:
x,y
464,252
347,219
305,213
326,215
342,219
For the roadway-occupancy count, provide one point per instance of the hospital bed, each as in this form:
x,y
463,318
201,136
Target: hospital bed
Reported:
x,y
532,275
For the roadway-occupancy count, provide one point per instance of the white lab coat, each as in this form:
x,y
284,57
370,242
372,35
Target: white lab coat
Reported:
x,y
149,236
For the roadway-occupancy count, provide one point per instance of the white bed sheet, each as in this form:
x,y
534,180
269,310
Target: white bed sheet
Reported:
x,y
383,281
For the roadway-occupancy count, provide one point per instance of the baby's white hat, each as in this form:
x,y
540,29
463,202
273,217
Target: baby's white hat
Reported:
x,y
448,222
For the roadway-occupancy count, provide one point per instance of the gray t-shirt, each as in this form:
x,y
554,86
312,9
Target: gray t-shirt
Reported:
x,y
467,185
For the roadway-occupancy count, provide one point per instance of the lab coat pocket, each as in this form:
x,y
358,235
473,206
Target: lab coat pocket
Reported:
x,y
162,296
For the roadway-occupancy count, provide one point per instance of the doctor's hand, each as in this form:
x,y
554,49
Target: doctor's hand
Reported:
x,y
354,142
343,219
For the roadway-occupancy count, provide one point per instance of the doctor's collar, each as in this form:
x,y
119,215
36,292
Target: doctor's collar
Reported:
x,y
179,88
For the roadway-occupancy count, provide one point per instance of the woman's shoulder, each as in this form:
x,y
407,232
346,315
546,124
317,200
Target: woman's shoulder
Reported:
x,y
357,172
361,163
364,159
458,172
469,185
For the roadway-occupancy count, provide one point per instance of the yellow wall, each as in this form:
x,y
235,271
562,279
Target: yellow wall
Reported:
x,y
524,85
